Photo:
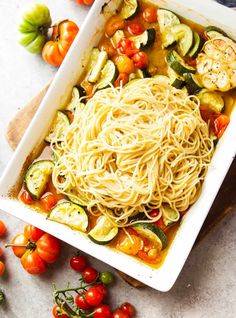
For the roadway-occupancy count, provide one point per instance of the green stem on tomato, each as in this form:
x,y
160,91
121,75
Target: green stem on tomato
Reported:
x,y
75,289
29,246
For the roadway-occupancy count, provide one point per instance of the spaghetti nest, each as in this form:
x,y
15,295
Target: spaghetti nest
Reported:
x,y
133,149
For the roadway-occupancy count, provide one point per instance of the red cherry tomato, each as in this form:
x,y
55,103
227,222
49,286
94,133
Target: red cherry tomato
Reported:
x,y
2,268
85,2
150,14
121,80
95,294
135,28
220,124
26,198
89,274
78,263
128,309
81,301
48,200
57,313
120,314
102,311
2,228
140,60
1,252
126,47
32,232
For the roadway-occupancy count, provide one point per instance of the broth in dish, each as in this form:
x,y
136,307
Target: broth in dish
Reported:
x,y
126,158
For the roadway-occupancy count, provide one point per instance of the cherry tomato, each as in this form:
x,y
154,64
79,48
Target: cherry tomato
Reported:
x,y
19,239
33,263
106,46
124,64
26,198
192,62
113,24
86,2
128,309
78,263
48,200
0,251
220,124
140,60
90,274
159,223
57,313
135,28
126,47
81,301
151,256
102,311
48,248
106,278
150,14
2,228
130,245
95,294
63,35
32,232
2,268
120,314
121,80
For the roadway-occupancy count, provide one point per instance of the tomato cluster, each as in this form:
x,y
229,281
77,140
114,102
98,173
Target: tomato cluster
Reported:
x,y
2,232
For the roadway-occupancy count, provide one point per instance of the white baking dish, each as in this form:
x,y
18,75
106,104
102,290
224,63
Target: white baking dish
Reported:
x,y
204,12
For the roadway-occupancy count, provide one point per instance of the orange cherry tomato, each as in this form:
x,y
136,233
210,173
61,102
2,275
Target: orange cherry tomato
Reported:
x,y
26,198
126,47
86,2
151,256
48,248
19,239
48,200
57,312
108,48
150,14
2,268
2,228
121,80
32,232
0,251
140,60
135,28
130,245
33,263
220,124
124,64
113,24
62,37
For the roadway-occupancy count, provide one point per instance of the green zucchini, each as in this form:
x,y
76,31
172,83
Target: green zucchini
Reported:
x,y
192,83
92,59
170,216
58,128
129,9
166,18
37,177
212,32
184,37
103,232
213,100
107,76
168,38
71,215
176,62
95,71
119,34
77,93
142,73
144,40
153,233
176,80
198,44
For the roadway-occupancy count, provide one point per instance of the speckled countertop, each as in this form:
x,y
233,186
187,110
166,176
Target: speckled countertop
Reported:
x,y
206,286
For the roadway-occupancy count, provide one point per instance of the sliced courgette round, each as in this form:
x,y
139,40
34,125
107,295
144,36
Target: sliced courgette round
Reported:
x,y
37,177
129,9
176,62
198,44
95,71
77,93
144,40
108,75
192,83
184,37
152,233
103,232
176,80
71,215
168,38
58,128
170,216
212,100
167,18
212,32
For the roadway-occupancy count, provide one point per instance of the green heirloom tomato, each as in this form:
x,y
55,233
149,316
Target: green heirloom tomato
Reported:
x,y
33,27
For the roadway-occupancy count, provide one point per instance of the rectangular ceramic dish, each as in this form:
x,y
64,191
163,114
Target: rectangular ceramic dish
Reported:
x,y
204,12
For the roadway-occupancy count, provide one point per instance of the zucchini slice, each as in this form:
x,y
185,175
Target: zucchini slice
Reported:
x,y
58,128
98,66
71,215
119,34
103,232
166,19
176,80
144,40
212,32
192,83
37,177
142,73
213,100
93,58
184,37
168,38
176,62
198,44
77,93
129,9
170,216
108,75
153,233
162,79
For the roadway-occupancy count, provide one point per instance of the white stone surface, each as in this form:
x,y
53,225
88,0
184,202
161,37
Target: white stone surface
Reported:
x,y
206,288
